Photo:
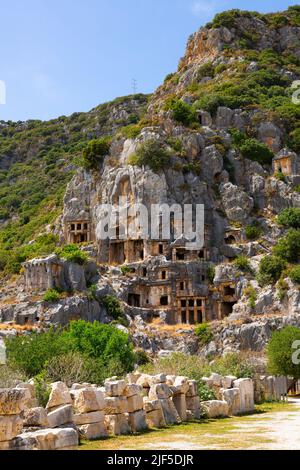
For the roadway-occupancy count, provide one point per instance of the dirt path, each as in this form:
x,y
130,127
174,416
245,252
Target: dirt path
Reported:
x,y
273,427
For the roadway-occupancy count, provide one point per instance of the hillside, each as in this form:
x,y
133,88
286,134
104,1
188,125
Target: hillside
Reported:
x,y
37,160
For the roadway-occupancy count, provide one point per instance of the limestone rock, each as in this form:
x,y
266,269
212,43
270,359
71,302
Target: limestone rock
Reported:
x,y
86,400
88,418
10,427
13,401
36,417
117,424
137,421
59,395
93,430
48,439
61,415
215,408
116,405
160,390
236,202
115,389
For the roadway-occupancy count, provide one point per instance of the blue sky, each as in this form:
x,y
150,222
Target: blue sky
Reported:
x,y
62,56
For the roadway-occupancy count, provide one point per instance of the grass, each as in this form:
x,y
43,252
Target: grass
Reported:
x,y
229,433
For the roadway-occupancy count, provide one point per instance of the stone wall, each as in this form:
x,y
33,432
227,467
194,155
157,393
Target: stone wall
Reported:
x,y
120,407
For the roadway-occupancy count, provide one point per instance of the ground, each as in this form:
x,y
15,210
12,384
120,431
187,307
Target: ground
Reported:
x,y
272,427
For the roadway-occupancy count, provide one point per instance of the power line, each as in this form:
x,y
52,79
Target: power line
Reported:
x,y
134,86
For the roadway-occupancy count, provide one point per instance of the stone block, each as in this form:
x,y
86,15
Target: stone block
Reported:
x,y
86,400
13,401
157,379
227,381
137,421
10,427
60,416
36,417
144,381
193,388
232,398
215,408
132,389
48,439
59,395
179,401
160,391
216,379
88,418
151,405
133,377
181,383
135,403
93,430
117,424
193,405
115,389
115,405
155,419
169,411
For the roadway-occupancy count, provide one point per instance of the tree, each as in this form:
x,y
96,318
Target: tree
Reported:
x,y
255,150
151,154
281,354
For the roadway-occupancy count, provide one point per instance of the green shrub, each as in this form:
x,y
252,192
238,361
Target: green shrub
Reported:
x,y
289,217
288,247
182,112
250,292
229,18
151,154
204,333
253,231
294,274
270,269
141,357
280,176
95,152
73,254
211,271
51,295
9,376
257,151
29,354
205,393
242,263
131,131
280,352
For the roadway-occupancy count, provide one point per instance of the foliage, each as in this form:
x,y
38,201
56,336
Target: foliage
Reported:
x,y
73,254
9,376
141,357
242,263
42,389
253,231
125,270
280,352
294,274
30,353
182,112
151,154
205,393
211,271
94,152
234,364
270,269
229,18
250,292
294,140
257,151
103,349
289,217
51,295
282,287
131,131
288,247
204,333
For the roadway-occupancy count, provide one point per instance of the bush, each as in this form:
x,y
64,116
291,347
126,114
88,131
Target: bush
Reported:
x,y
42,389
51,295
257,151
280,352
113,307
289,217
151,154
73,254
234,364
205,393
270,269
253,232
242,263
211,271
182,112
9,377
141,357
294,275
288,247
204,333
95,152
250,292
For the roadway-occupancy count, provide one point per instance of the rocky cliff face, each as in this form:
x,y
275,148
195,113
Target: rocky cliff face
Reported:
x,y
227,122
